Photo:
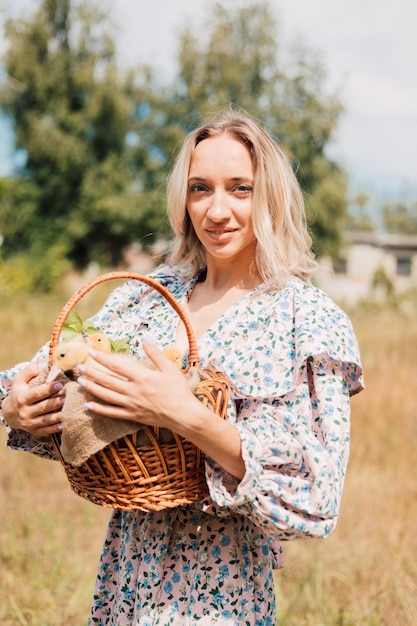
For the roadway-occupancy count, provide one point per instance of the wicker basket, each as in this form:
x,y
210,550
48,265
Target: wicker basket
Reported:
x,y
152,477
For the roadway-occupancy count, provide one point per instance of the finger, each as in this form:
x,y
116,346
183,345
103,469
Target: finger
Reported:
x,y
102,378
115,364
48,430
30,417
49,419
36,395
110,410
50,424
111,391
161,362
27,373
49,406
115,370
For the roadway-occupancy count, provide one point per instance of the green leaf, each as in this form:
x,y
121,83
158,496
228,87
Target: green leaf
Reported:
x,y
74,322
74,325
69,333
88,327
120,345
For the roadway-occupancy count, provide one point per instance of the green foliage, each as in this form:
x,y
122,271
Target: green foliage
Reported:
x,y
23,273
400,218
15,276
241,63
381,282
359,218
120,345
71,116
74,325
99,142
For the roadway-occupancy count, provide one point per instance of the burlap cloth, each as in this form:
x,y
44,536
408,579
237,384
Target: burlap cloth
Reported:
x,y
84,433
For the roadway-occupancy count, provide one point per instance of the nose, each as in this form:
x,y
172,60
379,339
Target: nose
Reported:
x,y
218,209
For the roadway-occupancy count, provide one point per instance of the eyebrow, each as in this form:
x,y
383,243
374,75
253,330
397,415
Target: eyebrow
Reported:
x,y
234,178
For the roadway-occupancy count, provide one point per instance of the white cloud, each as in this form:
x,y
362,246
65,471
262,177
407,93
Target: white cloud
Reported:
x,y
368,46
371,45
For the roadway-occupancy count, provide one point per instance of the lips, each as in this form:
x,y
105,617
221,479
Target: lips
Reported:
x,y
217,232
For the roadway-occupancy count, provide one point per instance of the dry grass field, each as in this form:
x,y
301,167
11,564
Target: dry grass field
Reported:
x,y
365,574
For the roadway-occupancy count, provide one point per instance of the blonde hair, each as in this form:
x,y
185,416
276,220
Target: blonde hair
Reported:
x,y
278,214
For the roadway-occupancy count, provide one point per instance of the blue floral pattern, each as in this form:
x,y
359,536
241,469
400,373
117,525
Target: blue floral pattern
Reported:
x,y
293,362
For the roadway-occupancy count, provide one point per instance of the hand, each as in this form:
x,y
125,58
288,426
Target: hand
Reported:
x,y
36,410
126,389
160,397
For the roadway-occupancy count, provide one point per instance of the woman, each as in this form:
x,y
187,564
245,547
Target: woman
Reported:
x,y
239,264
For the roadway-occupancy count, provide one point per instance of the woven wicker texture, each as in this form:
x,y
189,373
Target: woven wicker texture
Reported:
x,y
153,477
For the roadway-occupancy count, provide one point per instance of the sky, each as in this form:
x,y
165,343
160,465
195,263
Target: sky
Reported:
x,y
368,47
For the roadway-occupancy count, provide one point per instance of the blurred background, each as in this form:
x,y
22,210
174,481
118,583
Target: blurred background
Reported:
x,y
95,100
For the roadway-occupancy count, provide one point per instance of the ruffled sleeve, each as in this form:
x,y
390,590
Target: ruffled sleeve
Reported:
x,y
263,342
20,439
292,385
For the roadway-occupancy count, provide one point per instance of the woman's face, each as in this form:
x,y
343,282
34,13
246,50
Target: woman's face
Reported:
x,y
219,200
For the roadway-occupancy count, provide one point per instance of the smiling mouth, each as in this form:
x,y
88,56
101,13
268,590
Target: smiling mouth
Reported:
x,y
221,232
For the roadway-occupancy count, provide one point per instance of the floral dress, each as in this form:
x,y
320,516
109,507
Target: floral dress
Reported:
x,y
293,362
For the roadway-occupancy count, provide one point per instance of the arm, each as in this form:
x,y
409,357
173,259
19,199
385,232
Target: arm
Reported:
x,y
25,416
130,391
295,449
29,412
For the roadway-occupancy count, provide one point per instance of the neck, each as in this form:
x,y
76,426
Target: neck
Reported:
x,y
231,277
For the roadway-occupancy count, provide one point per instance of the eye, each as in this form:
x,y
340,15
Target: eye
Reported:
x,y
197,188
243,189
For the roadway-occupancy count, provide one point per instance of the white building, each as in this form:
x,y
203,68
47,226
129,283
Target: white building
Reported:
x,y
370,265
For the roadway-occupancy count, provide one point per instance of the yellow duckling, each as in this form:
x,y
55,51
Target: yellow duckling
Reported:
x,y
68,354
174,355
99,341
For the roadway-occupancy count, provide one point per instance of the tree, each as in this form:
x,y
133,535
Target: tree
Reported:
x,y
400,218
72,112
241,63
99,142
359,218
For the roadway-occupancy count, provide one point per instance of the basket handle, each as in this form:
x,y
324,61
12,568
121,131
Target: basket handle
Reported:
x,y
193,359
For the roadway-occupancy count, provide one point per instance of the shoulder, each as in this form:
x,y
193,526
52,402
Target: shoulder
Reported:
x,y
276,330
135,289
135,294
175,279
298,306
315,322
321,326
300,298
